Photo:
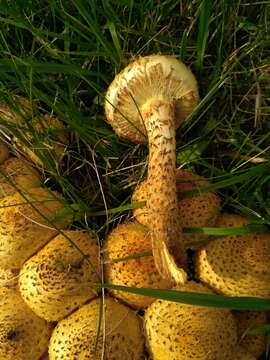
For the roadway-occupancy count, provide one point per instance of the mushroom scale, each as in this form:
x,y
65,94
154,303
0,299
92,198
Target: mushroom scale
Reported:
x,y
23,228
125,242
237,265
120,334
177,331
18,172
54,282
23,335
148,100
254,344
198,210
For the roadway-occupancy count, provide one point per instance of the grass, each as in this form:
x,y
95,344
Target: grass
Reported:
x,y
66,53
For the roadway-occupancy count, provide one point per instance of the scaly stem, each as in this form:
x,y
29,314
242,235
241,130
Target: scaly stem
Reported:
x,y
168,249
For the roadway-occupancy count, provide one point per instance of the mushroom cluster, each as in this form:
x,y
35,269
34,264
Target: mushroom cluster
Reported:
x,y
49,304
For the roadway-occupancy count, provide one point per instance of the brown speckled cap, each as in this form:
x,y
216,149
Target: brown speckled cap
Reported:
x,y
120,336
129,240
54,282
236,265
23,229
23,335
177,331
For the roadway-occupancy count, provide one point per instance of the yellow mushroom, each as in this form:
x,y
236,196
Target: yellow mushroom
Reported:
x,y
55,281
177,331
48,129
236,265
77,337
23,228
198,210
23,335
124,266
147,101
16,174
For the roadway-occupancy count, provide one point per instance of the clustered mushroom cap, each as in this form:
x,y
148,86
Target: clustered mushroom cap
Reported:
x,y
254,344
22,112
237,265
177,331
55,281
241,353
127,240
120,334
4,151
150,77
23,335
16,171
198,210
23,230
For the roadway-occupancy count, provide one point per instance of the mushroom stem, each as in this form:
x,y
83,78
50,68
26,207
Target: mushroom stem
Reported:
x,y
168,249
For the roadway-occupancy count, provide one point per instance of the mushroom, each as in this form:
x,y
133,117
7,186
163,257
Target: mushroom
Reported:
x,y
80,337
198,210
16,173
177,331
245,320
27,223
4,152
124,266
147,101
55,281
33,132
236,265
23,335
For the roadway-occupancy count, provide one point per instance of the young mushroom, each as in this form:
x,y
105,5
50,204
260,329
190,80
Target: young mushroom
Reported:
x,y
147,101
28,222
55,281
32,133
236,265
177,331
124,265
23,335
102,329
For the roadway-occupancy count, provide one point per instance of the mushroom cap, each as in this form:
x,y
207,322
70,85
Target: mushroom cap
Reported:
x,y
254,344
23,335
4,152
24,114
198,210
23,228
236,265
177,331
155,76
53,282
127,240
20,173
76,336
241,353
